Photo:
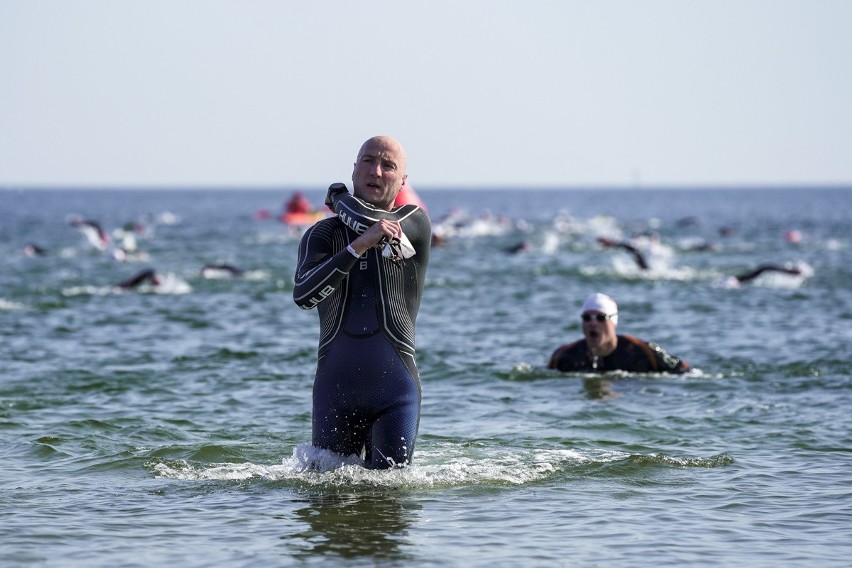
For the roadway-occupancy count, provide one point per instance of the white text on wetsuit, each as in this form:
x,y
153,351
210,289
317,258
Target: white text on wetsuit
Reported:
x,y
322,295
350,222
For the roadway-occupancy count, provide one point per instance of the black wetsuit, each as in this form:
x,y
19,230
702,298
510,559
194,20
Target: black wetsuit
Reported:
x,y
752,274
367,388
631,354
146,275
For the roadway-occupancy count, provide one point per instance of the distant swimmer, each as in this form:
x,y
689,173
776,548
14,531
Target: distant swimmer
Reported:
x,y
92,231
220,271
635,252
34,250
125,245
522,246
364,270
752,274
438,240
690,221
701,246
793,236
147,275
603,350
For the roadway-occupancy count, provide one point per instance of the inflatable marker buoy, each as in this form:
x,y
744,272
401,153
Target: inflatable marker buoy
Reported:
x,y
407,196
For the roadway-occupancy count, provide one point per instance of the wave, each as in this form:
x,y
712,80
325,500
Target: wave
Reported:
x,y
8,305
451,466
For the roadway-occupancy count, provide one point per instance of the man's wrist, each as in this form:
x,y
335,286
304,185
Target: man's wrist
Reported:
x,y
352,251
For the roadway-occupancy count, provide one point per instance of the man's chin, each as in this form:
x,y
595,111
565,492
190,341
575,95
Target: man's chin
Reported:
x,y
379,201
369,194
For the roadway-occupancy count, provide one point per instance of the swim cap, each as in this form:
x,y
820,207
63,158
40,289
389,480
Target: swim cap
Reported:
x,y
602,303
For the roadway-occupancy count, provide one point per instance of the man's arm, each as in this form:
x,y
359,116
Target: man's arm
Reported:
x,y
320,270
667,363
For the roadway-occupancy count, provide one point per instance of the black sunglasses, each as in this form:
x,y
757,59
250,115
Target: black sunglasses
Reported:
x,y
599,317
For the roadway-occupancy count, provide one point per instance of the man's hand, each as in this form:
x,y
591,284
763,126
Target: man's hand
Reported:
x,y
375,234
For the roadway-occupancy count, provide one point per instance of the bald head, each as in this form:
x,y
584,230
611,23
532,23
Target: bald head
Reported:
x,y
385,144
380,171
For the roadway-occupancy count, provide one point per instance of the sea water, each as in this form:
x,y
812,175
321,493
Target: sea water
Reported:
x,y
171,423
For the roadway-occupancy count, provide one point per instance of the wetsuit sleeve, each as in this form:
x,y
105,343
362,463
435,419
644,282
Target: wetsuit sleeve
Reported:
x,y
419,231
665,362
322,265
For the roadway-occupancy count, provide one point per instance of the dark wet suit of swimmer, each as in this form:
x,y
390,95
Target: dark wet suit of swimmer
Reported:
x,y
366,394
752,274
147,275
220,270
635,252
631,354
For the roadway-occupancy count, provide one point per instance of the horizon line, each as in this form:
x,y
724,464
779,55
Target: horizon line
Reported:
x,y
428,188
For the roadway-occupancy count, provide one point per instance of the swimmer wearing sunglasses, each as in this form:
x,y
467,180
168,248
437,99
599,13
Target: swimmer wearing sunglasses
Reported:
x,y
602,349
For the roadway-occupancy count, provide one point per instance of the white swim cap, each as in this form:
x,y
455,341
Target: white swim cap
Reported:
x,y
602,303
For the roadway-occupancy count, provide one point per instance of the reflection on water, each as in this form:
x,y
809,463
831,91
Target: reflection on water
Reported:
x,y
599,388
353,525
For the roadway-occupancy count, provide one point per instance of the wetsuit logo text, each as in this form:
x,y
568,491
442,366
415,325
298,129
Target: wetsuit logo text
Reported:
x,y
350,222
322,295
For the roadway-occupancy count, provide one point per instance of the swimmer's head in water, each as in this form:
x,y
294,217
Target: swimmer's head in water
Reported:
x,y
600,316
603,304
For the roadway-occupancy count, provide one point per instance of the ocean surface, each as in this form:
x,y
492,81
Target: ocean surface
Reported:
x,y
170,424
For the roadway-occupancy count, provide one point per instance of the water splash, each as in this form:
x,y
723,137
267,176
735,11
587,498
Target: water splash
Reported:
x,y
170,284
453,465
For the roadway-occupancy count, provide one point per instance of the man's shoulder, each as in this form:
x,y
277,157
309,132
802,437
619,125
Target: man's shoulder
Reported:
x,y
658,358
631,344
568,356
413,215
578,346
326,224
322,233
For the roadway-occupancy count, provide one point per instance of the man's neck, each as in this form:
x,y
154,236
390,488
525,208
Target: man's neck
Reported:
x,y
603,350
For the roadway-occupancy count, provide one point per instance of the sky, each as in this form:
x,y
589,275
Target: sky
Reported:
x,y
482,93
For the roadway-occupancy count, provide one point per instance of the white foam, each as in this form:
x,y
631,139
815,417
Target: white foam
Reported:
x,y
8,305
169,284
450,465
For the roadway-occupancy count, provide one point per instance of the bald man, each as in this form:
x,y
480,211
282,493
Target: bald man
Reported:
x,y
366,395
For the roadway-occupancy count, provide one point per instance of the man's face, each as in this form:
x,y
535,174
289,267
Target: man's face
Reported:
x,y
599,331
379,172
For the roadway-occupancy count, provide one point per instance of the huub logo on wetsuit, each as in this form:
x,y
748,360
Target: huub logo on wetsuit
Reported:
x,y
359,215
